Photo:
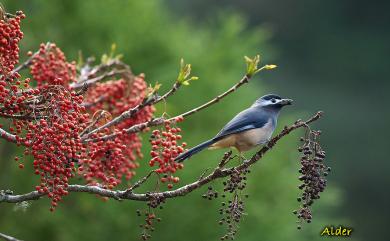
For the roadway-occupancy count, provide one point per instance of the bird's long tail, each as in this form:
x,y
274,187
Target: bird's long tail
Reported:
x,y
194,150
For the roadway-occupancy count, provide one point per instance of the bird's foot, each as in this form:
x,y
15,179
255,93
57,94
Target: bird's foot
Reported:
x,y
242,158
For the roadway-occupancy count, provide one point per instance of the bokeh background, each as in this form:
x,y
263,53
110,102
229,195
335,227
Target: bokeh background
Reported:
x,y
332,56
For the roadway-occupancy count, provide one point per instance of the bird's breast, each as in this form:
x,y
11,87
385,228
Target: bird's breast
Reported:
x,y
251,138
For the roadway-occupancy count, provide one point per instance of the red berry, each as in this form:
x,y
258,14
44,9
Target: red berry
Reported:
x,y
176,179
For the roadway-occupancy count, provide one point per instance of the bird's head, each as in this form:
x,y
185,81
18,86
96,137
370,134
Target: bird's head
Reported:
x,y
272,101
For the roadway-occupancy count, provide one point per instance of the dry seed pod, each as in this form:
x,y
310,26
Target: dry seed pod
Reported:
x,y
313,174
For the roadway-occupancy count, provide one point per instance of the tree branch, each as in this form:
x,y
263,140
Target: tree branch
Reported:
x,y
131,112
7,136
139,182
219,172
90,104
8,238
243,81
91,81
87,77
21,117
160,121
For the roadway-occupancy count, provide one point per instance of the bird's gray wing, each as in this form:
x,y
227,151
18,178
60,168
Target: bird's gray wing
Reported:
x,y
248,119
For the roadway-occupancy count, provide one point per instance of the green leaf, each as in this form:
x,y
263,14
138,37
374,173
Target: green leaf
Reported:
x,y
152,90
184,74
104,59
270,66
194,78
252,65
80,60
113,49
111,56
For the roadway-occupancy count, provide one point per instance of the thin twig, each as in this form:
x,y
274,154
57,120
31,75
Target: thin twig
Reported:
x,y
92,81
29,61
87,77
20,117
243,81
160,121
204,173
98,118
139,182
90,104
8,238
135,128
226,158
131,112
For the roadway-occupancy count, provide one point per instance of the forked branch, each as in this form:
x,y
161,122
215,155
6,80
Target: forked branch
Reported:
x,y
219,172
131,112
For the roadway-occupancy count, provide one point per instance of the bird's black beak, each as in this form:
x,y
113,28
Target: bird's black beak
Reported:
x,y
284,102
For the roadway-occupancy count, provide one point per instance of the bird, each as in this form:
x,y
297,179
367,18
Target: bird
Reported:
x,y
249,128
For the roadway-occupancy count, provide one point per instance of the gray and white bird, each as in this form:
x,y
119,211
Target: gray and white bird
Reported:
x,y
249,128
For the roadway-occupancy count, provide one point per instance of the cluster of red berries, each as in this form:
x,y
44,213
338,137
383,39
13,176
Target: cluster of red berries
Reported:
x,y
165,148
132,95
48,120
106,162
54,141
109,161
13,100
10,35
49,67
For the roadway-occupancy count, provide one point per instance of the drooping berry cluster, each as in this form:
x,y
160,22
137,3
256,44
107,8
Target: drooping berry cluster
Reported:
x,y
147,227
231,215
109,161
10,36
210,194
54,142
232,211
313,174
49,67
236,181
105,162
165,148
46,120
154,202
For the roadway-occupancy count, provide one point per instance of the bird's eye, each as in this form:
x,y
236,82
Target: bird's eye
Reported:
x,y
273,100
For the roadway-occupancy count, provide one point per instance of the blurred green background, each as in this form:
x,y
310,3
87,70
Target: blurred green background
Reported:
x,y
332,56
